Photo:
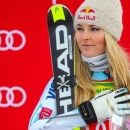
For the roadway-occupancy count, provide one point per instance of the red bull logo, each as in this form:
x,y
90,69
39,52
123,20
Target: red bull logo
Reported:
x,y
86,16
87,10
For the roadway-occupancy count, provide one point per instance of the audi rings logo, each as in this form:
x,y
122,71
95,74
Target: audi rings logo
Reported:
x,y
9,40
10,96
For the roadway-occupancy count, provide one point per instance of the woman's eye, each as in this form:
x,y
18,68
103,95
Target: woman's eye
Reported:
x,y
95,29
79,29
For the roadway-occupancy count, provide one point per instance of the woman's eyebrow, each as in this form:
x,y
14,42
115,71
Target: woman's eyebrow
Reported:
x,y
91,25
79,25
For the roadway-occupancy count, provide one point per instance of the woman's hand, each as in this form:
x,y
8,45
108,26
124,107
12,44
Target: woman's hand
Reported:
x,y
103,105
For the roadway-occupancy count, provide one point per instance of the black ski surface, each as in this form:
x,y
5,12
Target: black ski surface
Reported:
x,y
61,35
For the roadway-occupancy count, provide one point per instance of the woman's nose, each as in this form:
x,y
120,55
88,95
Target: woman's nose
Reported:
x,y
86,35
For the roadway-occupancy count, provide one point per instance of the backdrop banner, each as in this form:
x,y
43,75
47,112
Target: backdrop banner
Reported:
x,y
25,61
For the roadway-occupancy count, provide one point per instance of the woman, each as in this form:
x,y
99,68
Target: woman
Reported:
x,y
101,64
97,50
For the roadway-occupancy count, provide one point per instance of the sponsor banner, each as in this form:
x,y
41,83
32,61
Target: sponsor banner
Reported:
x,y
25,61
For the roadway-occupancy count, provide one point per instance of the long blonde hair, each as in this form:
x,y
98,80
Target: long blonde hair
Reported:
x,y
119,68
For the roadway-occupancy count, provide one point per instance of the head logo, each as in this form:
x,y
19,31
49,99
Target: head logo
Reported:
x,y
87,10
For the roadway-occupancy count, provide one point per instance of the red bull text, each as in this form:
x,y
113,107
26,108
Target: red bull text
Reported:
x,y
86,17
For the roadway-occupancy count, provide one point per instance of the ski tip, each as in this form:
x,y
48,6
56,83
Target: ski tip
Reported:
x,y
58,12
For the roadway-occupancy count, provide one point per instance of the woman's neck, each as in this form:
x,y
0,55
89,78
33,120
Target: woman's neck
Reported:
x,y
97,63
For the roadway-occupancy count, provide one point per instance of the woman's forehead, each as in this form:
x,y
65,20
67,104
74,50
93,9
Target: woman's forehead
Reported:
x,y
87,25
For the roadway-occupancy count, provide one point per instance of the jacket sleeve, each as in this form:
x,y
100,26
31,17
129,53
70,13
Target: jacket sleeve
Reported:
x,y
66,121
46,107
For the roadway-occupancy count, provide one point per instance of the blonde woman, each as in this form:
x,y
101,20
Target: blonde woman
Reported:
x,y
101,64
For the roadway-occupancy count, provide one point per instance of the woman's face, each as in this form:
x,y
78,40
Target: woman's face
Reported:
x,y
90,39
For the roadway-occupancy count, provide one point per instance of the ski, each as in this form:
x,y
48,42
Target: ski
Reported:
x,y
61,35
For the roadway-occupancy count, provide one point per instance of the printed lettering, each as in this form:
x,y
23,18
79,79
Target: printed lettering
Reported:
x,y
62,45
51,93
65,103
65,92
59,31
63,57
87,17
103,89
63,42
70,47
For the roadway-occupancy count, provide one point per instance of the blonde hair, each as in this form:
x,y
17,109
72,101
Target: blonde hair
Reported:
x,y
119,68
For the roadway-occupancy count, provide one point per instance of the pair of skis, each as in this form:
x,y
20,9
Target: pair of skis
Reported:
x,y
61,35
